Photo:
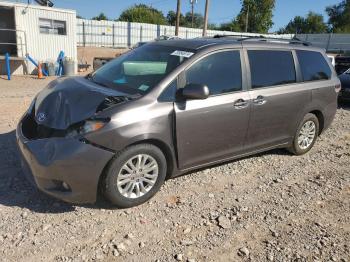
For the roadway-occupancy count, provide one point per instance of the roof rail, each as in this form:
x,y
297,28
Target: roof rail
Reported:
x,y
242,38
236,36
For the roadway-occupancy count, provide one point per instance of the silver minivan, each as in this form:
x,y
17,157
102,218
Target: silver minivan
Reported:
x,y
170,107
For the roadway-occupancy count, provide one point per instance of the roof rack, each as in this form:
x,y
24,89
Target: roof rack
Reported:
x,y
242,38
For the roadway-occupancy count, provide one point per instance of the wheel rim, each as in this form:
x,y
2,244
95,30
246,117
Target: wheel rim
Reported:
x,y
307,134
137,176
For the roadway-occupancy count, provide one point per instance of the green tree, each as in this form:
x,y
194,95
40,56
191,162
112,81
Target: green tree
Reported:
x,y
198,20
212,26
186,20
312,23
100,17
339,17
171,18
143,14
259,16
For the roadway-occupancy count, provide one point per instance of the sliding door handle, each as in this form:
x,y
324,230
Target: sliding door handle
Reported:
x,y
260,100
240,103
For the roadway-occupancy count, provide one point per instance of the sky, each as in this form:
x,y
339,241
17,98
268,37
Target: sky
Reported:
x,y
220,11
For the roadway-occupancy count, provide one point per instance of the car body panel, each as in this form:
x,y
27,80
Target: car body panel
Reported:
x,y
60,104
274,121
80,165
221,126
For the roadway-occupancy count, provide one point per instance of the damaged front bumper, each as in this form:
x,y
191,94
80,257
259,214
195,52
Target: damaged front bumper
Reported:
x,y
65,168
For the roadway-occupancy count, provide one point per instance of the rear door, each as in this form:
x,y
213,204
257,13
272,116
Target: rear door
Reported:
x,y
276,96
215,128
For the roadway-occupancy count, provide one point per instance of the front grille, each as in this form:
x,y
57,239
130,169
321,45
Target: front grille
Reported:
x,y
32,130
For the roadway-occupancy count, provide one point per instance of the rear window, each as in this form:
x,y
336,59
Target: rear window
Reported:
x,y
313,66
270,68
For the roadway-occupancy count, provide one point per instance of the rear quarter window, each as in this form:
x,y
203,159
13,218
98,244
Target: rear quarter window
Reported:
x,y
313,66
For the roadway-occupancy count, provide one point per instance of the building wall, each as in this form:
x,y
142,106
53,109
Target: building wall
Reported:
x,y
43,47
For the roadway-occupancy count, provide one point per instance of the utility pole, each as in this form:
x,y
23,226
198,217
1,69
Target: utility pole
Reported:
x,y
247,19
178,12
206,17
192,10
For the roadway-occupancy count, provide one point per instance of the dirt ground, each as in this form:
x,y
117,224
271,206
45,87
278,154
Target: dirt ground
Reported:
x,y
268,207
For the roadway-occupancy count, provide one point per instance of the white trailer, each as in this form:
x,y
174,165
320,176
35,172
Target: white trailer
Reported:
x,y
40,31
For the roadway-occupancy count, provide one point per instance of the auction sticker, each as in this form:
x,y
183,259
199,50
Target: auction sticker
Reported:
x,y
182,53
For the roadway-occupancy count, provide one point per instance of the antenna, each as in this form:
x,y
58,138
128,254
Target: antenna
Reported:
x,y
45,2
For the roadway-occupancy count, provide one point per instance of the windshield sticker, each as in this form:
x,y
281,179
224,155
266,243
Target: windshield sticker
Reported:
x,y
143,87
182,53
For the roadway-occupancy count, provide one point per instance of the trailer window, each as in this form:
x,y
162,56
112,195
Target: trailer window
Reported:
x,y
52,27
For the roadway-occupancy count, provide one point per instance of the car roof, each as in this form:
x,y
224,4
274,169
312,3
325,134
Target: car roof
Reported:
x,y
203,43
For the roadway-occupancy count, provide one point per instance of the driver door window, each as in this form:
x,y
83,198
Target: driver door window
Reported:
x,y
220,71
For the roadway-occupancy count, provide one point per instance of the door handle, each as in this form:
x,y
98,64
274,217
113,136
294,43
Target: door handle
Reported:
x,y
240,103
260,100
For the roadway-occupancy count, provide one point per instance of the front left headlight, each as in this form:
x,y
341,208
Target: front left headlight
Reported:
x,y
92,125
87,127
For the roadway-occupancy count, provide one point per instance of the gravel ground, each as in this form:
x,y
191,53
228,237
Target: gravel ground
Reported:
x,y
268,207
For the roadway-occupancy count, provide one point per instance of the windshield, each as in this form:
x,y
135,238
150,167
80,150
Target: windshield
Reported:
x,y
140,70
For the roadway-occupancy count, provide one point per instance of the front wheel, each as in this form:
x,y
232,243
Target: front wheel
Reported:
x,y
306,135
135,175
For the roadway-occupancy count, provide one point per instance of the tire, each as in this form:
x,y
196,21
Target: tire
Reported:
x,y
118,172
297,148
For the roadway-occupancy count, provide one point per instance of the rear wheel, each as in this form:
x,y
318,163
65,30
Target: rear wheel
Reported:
x,y
135,175
306,135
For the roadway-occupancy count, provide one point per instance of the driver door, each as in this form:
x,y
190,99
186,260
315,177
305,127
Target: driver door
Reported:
x,y
215,128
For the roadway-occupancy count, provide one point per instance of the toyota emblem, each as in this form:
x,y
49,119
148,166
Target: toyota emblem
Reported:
x,y
41,117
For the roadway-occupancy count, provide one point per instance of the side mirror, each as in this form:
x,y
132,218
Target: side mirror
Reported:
x,y
195,91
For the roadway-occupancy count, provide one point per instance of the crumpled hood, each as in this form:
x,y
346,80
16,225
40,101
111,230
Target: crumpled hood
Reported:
x,y
66,101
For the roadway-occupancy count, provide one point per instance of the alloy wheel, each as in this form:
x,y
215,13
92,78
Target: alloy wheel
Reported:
x,y
307,134
137,176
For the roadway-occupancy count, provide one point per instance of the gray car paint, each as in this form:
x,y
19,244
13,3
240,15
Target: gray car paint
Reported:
x,y
61,105
198,133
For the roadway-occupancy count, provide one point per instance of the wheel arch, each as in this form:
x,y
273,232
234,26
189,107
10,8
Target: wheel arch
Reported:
x,y
320,117
166,150
164,147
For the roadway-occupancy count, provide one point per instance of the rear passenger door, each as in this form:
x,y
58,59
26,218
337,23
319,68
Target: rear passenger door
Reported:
x,y
276,96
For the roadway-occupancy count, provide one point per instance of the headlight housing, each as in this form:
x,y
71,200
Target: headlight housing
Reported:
x,y
90,125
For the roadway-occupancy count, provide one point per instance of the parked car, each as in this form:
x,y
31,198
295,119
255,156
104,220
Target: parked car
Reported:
x,y
344,94
342,63
170,107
